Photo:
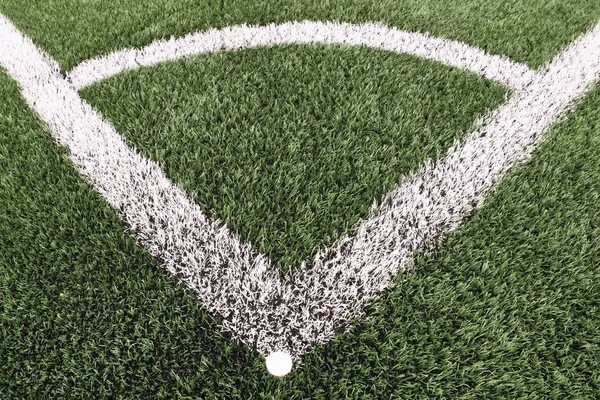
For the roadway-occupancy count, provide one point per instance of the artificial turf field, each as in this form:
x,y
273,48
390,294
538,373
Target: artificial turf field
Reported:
x,y
508,306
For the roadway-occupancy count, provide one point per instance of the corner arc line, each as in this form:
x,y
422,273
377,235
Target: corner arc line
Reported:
x,y
238,37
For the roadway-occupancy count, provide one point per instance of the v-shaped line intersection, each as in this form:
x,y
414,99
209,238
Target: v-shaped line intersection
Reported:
x,y
229,277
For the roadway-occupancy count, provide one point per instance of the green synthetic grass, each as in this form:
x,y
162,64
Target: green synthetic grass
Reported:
x,y
508,307
83,309
530,31
290,145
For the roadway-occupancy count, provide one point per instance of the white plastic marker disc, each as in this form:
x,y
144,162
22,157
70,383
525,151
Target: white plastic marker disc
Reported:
x,y
279,363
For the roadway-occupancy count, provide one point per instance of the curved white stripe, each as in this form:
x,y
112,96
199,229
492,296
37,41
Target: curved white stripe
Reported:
x,y
457,54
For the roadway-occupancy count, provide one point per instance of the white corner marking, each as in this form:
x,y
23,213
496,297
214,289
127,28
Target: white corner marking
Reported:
x,y
229,277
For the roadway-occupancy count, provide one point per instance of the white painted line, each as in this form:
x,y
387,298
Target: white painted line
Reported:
x,y
229,277
457,54
226,275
